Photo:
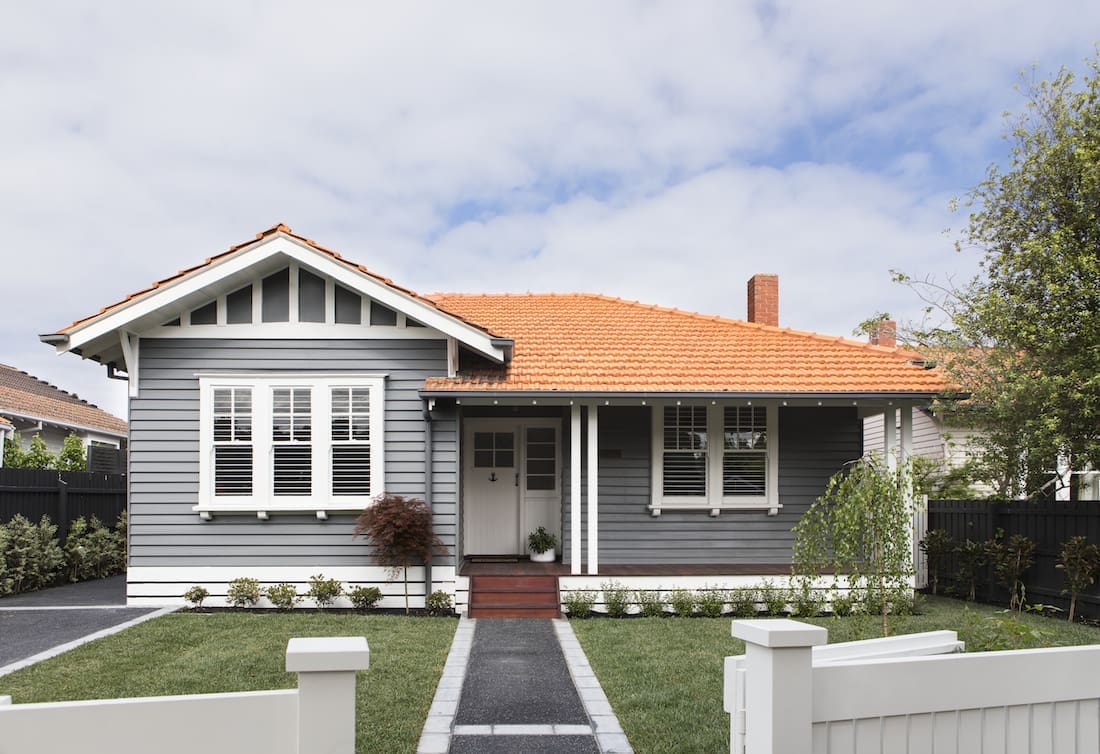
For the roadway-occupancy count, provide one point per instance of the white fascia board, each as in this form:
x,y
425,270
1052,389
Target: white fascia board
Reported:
x,y
240,261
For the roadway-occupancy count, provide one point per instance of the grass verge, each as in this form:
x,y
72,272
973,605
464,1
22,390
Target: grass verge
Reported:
x,y
191,653
663,676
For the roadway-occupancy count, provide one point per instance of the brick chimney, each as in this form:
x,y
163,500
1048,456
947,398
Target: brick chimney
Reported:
x,y
764,299
885,333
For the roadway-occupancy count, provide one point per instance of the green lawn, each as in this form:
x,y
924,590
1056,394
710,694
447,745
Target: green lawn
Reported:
x,y
663,676
191,653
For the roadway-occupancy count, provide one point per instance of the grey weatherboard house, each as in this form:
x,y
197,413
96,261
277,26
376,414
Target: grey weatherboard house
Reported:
x,y
277,388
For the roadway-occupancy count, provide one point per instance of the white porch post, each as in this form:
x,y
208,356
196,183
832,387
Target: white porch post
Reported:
x,y
778,684
593,491
575,490
890,437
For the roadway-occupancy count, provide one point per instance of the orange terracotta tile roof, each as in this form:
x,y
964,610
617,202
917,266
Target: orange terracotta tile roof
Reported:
x,y
592,343
28,396
273,230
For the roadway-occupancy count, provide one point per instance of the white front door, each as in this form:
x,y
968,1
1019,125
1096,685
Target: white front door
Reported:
x,y
511,475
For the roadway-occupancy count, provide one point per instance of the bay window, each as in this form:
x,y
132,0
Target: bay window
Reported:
x,y
282,442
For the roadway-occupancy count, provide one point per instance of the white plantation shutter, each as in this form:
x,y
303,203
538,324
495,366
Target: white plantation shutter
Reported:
x,y
232,441
351,441
744,451
291,432
685,451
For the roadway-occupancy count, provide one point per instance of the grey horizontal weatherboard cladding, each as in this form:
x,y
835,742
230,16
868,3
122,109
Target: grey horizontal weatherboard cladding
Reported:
x,y
814,444
164,451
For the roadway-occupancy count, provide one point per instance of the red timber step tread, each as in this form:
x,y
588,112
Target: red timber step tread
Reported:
x,y
514,597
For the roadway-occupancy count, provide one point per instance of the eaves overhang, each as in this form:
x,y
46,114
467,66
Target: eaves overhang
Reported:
x,y
589,395
99,334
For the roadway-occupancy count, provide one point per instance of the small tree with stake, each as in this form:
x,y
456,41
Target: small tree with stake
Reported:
x,y
400,528
861,527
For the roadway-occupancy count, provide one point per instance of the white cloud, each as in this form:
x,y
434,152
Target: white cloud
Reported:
x,y
662,151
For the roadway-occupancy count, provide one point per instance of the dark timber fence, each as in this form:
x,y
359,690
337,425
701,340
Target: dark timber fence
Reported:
x,y
1048,524
63,496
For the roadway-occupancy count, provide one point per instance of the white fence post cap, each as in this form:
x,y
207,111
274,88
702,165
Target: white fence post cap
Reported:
x,y
779,632
332,653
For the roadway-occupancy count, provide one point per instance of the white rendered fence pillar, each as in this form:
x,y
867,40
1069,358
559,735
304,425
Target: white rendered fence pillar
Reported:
x,y
778,684
326,691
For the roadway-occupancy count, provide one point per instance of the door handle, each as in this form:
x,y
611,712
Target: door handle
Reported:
x,y
492,476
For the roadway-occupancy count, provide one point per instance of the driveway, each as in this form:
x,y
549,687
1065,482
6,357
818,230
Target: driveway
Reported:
x,y
36,622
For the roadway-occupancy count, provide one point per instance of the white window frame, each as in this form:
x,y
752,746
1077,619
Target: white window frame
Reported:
x,y
262,500
715,500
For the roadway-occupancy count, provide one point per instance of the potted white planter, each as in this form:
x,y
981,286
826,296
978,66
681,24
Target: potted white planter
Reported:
x,y
542,545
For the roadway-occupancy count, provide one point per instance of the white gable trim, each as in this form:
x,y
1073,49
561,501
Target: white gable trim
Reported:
x,y
238,262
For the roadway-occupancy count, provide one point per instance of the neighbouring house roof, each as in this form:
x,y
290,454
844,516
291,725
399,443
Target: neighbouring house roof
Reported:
x,y
592,343
24,396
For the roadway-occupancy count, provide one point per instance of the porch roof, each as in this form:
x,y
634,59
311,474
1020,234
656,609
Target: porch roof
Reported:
x,y
586,343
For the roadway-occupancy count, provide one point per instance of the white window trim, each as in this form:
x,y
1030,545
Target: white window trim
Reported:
x,y
262,501
714,500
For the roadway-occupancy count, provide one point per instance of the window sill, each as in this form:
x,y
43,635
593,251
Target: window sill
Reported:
x,y
656,508
208,511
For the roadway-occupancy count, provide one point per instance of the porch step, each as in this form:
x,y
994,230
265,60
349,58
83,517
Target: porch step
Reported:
x,y
514,597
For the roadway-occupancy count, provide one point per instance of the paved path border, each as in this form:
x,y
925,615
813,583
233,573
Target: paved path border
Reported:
x,y
609,733
436,737
61,648
440,727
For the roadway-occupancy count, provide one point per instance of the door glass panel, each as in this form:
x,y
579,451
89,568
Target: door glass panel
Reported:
x,y
494,450
542,459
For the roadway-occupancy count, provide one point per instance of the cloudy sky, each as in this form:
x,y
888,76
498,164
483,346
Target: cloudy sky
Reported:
x,y
656,151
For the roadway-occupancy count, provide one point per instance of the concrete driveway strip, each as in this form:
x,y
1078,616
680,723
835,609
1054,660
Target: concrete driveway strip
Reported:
x,y
25,633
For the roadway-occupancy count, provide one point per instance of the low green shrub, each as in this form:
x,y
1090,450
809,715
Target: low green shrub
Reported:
x,y
31,556
774,598
243,592
579,604
683,602
806,602
283,596
616,599
743,602
650,603
93,551
841,604
439,603
1002,631
324,591
711,602
364,597
195,595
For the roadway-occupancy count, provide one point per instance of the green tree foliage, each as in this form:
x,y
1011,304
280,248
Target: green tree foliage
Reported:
x,y
13,453
861,528
1021,338
71,457
39,456
400,528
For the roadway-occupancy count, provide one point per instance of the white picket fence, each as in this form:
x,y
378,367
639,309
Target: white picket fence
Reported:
x,y
318,716
790,694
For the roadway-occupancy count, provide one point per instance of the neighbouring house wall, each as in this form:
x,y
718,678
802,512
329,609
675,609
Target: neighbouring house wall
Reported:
x,y
928,434
54,436
814,443
164,450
